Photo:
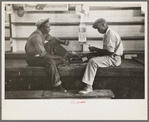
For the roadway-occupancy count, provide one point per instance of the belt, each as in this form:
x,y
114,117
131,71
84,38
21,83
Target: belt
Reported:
x,y
116,55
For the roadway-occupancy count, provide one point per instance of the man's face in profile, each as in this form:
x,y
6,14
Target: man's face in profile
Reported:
x,y
101,28
46,27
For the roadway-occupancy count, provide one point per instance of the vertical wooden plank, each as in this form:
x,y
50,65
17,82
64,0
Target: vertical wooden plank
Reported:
x,y
13,28
14,44
7,46
6,17
7,32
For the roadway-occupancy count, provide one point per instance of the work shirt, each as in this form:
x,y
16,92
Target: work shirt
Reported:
x,y
111,42
35,43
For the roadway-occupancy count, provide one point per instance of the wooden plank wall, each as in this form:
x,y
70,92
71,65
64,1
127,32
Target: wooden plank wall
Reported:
x,y
126,20
7,33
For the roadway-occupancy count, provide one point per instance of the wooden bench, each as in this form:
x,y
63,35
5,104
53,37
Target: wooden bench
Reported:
x,y
19,67
125,81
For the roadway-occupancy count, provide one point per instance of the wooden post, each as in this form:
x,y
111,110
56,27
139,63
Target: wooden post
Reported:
x,y
10,32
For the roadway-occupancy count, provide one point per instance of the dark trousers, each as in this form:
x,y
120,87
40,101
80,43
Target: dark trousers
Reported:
x,y
50,64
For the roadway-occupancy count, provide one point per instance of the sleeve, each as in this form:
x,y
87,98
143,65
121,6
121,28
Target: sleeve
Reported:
x,y
49,37
56,40
39,46
111,40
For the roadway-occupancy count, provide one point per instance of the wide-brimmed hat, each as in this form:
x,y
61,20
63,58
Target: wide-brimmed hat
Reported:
x,y
40,22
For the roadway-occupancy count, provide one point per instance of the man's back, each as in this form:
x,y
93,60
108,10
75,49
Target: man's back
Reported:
x,y
111,42
35,44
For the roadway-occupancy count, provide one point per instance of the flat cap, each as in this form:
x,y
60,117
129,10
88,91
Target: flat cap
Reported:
x,y
40,22
100,20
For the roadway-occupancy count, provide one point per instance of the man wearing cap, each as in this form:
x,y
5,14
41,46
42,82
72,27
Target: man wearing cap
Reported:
x,y
43,54
110,55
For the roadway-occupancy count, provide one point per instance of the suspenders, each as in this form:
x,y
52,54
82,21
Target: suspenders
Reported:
x,y
114,54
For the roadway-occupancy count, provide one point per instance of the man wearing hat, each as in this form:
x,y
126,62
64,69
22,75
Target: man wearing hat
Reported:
x,y
44,54
110,55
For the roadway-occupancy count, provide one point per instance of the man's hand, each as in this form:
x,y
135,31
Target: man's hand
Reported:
x,y
92,49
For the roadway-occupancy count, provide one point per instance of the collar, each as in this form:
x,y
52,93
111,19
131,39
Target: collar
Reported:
x,y
41,34
107,30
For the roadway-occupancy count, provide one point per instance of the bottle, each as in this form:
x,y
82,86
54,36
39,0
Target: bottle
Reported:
x,y
82,30
82,33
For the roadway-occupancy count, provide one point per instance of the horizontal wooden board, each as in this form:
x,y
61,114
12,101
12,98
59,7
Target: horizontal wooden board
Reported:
x,y
98,6
22,54
91,8
7,38
113,4
72,31
127,45
115,13
72,17
74,94
122,30
133,45
23,94
74,45
136,38
49,94
127,68
123,19
77,23
54,17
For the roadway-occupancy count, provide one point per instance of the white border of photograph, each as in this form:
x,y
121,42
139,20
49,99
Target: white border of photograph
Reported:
x,y
62,109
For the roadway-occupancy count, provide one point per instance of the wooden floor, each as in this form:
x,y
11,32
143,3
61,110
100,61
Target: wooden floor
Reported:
x,y
47,94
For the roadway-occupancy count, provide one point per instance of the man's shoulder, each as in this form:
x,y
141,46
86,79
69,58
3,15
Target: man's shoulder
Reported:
x,y
34,36
113,33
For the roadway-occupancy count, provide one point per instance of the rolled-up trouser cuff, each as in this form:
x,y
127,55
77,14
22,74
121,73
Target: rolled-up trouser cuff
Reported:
x,y
58,83
87,82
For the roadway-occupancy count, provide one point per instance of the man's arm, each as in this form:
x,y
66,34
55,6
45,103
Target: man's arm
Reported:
x,y
102,52
59,41
64,42
42,52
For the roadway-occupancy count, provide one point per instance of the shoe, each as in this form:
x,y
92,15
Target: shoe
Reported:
x,y
60,89
86,90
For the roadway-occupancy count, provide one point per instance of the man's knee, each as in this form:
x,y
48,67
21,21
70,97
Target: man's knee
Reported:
x,y
50,65
50,61
92,60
